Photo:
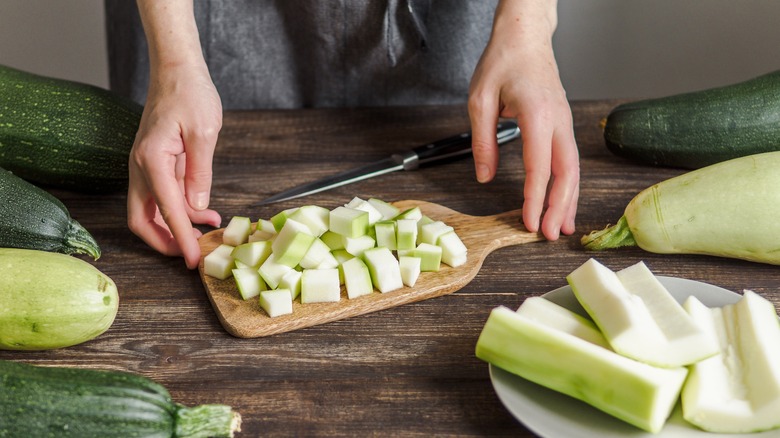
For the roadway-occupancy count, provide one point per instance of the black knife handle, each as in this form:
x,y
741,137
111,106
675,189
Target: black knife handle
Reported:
x,y
459,145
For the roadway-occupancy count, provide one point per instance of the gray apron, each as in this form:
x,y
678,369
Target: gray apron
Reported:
x,y
327,53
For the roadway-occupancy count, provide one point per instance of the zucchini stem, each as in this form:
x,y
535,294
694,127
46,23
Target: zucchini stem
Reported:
x,y
613,236
207,421
81,241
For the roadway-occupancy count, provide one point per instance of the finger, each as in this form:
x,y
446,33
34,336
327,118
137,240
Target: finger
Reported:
x,y
536,160
564,192
141,214
199,149
483,113
173,208
205,216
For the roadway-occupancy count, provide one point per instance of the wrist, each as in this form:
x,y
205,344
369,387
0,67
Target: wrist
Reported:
x,y
527,21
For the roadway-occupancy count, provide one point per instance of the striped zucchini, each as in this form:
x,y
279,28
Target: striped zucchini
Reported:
x,y
65,134
72,402
32,218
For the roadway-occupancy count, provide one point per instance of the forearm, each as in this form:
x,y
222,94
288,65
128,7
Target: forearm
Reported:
x,y
171,33
527,21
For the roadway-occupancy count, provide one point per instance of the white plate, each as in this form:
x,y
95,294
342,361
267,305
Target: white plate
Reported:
x,y
551,414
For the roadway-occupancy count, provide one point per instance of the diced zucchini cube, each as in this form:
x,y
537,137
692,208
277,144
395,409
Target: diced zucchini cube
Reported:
x,y
280,218
320,286
252,253
292,282
385,234
249,282
341,256
389,211
218,263
425,220
333,240
315,255
384,269
410,269
291,244
264,230
276,302
357,245
406,233
357,278
315,217
272,271
237,230
410,213
374,215
453,251
429,233
328,262
349,222
430,255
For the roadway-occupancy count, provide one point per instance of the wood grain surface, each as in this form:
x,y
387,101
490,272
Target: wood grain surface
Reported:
x,y
405,371
481,235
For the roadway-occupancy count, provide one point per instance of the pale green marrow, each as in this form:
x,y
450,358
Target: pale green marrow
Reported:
x,y
51,300
729,209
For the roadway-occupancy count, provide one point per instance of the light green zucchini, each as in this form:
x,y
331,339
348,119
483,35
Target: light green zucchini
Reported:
x,y
50,300
729,209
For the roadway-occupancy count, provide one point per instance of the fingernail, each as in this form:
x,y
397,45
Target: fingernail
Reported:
x,y
482,173
201,201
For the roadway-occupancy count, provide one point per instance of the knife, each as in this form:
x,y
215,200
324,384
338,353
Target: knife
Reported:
x,y
429,154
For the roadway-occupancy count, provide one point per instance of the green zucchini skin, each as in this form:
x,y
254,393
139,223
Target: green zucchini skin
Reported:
x,y
728,209
693,130
51,300
65,134
34,219
73,402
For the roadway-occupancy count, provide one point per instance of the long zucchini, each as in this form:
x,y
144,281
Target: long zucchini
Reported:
x,y
50,300
64,134
728,209
32,218
73,402
696,129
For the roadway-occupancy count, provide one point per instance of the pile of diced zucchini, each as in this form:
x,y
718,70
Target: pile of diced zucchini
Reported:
x,y
310,252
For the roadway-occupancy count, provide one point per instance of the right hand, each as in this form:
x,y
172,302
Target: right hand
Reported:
x,y
170,163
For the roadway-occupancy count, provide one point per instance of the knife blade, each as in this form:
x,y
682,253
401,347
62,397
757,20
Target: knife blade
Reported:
x,y
441,151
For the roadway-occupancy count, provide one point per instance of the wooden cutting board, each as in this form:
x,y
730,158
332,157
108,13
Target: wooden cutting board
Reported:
x,y
481,235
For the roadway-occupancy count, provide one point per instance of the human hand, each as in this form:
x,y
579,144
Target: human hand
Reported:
x,y
517,77
170,163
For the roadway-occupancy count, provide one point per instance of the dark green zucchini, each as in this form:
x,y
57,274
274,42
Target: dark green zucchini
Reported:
x,y
64,134
32,218
72,402
696,129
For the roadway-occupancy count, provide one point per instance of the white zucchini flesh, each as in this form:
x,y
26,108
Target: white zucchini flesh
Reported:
x,y
276,302
348,222
638,316
384,268
453,251
406,233
374,215
387,210
738,390
292,282
249,282
316,218
292,242
430,256
252,253
410,269
357,278
385,234
320,286
272,271
550,352
219,263
237,230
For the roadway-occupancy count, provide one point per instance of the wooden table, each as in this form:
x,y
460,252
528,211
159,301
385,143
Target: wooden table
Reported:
x,y
407,371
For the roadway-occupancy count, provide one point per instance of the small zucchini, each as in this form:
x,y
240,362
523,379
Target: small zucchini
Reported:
x,y
73,402
50,300
728,209
34,219
696,129
65,134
